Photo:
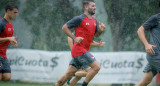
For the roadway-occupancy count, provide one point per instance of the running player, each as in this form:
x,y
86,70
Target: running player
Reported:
x,y
83,71
85,27
6,37
152,48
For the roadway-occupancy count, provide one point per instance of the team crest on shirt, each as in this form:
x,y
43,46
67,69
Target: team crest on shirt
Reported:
x,y
92,57
0,65
9,29
95,24
87,23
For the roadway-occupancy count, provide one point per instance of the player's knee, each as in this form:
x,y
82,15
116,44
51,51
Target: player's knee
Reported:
x,y
69,74
97,68
0,77
59,83
144,83
78,77
6,79
147,82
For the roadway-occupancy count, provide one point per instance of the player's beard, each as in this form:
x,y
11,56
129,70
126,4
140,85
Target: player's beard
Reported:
x,y
91,11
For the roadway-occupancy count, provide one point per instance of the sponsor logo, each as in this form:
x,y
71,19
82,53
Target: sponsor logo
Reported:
x,y
22,61
1,65
9,29
92,57
87,23
109,64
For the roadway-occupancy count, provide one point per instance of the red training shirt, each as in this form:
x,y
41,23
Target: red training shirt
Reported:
x,y
85,28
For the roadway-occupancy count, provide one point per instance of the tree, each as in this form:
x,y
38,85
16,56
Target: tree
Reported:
x,y
46,18
125,17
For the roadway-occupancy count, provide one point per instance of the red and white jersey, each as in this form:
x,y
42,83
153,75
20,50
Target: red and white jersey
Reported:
x,y
6,30
85,28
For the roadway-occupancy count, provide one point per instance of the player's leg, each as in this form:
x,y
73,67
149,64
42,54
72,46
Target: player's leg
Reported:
x,y
147,78
74,80
1,68
0,76
95,67
81,73
6,76
5,70
149,73
78,75
88,59
70,72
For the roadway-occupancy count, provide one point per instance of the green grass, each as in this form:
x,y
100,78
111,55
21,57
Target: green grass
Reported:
x,y
21,83
11,83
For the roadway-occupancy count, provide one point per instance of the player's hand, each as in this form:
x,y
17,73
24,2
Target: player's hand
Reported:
x,y
149,49
101,26
14,44
13,41
78,39
101,43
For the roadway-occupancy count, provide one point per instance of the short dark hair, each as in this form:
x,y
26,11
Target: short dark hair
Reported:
x,y
159,3
10,6
86,2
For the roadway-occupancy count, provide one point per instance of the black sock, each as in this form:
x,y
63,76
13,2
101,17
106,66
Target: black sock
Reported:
x,y
84,84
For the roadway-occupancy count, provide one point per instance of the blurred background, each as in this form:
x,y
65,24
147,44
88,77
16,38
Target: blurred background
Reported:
x,y
38,26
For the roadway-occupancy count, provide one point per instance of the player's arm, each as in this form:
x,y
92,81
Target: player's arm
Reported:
x,y
148,47
149,24
5,39
76,21
70,42
11,39
101,29
69,33
97,44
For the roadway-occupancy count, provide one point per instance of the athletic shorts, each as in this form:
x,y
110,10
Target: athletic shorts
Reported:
x,y
83,61
153,62
4,65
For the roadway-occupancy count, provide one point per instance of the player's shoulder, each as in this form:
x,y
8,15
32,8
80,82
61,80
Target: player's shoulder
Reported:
x,y
94,18
80,16
156,16
3,21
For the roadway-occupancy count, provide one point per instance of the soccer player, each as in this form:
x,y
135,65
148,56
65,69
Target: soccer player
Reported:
x,y
6,37
83,71
85,27
152,48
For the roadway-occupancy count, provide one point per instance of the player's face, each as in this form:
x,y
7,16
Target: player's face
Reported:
x,y
91,8
13,13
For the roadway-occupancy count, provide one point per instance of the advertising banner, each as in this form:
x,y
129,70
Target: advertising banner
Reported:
x,y
48,66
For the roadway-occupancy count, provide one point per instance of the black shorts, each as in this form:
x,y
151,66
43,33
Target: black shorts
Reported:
x,y
153,62
4,65
83,61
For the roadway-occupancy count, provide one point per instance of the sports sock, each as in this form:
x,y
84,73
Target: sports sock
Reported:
x,y
68,82
84,84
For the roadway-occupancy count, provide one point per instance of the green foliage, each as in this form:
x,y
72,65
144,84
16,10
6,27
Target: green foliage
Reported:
x,y
125,17
46,18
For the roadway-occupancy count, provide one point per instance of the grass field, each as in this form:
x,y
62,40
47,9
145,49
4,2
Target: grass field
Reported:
x,y
45,84
19,83
24,84
35,84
